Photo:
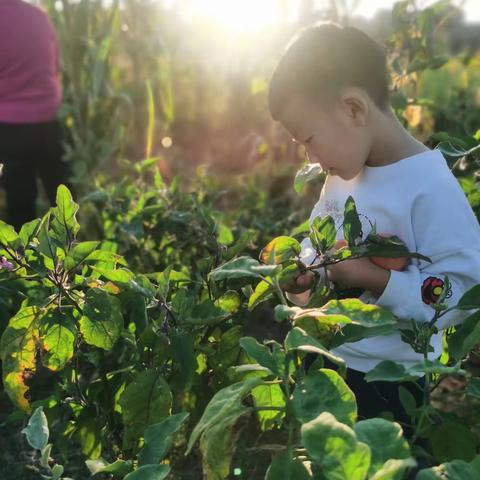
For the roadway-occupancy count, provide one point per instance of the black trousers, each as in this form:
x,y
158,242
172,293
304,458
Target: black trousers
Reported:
x,y
376,397
28,151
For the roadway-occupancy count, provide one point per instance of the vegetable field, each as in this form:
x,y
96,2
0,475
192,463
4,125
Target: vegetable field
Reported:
x,y
144,332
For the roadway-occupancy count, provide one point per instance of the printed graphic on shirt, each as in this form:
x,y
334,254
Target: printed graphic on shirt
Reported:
x,y
333,209
432,288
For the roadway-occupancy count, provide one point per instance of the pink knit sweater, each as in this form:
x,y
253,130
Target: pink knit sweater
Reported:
x,y
30,89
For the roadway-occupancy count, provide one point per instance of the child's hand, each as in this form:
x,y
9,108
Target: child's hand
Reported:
x,y
359,272
299,284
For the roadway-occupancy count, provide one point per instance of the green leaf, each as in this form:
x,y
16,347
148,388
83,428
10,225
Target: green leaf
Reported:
x,y
447,148
350,310
388,371
335,447
28,231
263,291
452,441
120,275
118,467
264,356
217,444
352,227
58,331
183,356
79,253
269,396
64,223
393,469
229,301
89,436
17,351
298,339
145,401
323,233
384,439
306,174
470,299
287,468
101,323
320,391
279,250
149,472
465,337
36,430
159,438
207,313
222,404
240,267
8,236
224,235
454,470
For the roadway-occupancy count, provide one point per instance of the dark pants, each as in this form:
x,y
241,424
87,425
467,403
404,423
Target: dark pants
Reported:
x,y
28,151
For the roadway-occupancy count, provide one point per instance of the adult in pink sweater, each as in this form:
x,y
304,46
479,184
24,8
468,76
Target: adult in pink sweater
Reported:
x,y
30,94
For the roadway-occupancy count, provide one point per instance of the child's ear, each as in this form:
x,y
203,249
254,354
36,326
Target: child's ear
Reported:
x,y
355,106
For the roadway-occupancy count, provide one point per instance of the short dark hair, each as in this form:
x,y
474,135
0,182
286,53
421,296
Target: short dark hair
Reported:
x,y
322,59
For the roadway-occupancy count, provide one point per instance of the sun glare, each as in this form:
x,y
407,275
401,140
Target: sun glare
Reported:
x,y
245,16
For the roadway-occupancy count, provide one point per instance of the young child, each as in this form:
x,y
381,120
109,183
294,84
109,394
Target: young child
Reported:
x,y
330,91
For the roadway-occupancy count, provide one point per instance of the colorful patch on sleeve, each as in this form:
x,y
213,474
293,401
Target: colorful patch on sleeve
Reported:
x,y
432,288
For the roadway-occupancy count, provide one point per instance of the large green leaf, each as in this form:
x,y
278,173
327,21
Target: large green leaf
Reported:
x,y
385,441
183,355
350,310
287,468
79,253
454,470
145,401
335,447
101,323
58,332
217,444
465,337
222,404
320,391
280,249
274,361
207,313
159,437
452,441
18,346
64,223
470,299
388,371
240,267
298,339
269,396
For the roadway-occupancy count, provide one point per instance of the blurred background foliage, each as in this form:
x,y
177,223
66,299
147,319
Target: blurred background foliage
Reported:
x,y
170,79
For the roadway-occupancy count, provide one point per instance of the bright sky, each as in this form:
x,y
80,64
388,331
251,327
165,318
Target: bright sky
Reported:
x,y
244,16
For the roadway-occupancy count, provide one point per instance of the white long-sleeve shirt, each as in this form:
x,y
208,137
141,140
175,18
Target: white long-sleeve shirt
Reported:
x,y
419,200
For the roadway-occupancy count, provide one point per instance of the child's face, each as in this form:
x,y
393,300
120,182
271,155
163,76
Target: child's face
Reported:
x,y
337,136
